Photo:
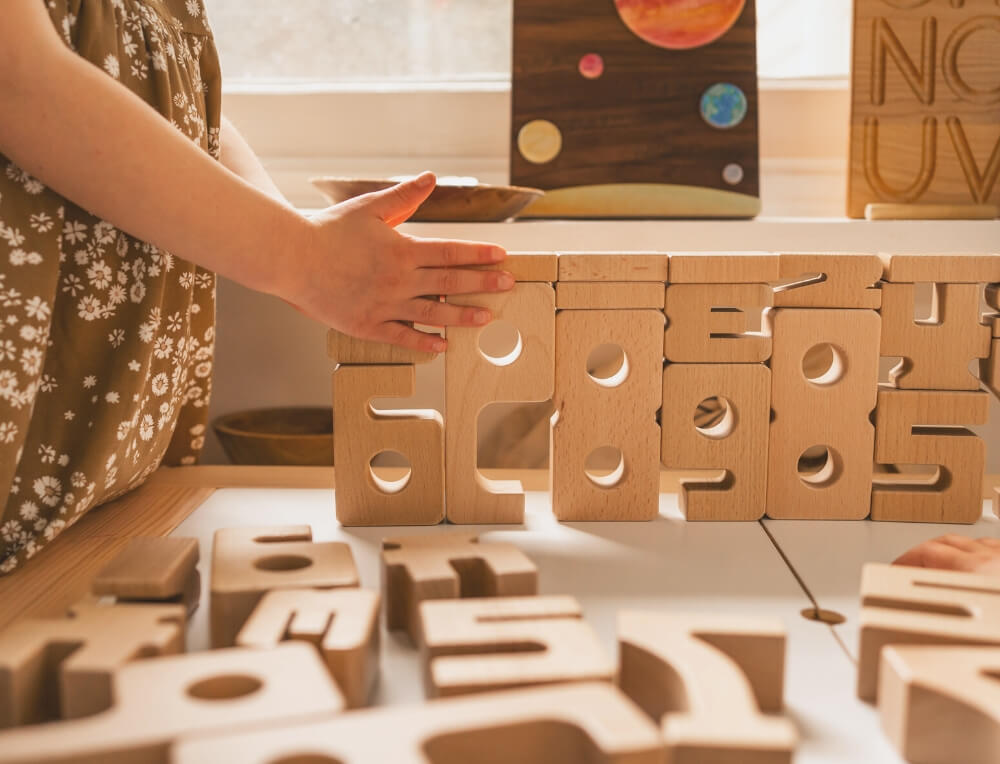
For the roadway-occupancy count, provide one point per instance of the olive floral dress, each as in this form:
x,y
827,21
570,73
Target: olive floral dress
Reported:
x,y
106,342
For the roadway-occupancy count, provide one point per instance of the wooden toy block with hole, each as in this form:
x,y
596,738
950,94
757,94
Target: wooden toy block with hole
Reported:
x,y
706,268
62,668
344,349
474,380
446,566
527,266
159,700
637,266
610,417
715,682
989,368
824,384
941,269
936,352
717,416
341,623
917,606
562,724
363,433
707,323
153,569
829,281
908,430
921,687
481,645
609,295
249,562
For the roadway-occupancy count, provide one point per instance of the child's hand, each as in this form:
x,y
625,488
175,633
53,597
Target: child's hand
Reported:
x,y
363,278
953,552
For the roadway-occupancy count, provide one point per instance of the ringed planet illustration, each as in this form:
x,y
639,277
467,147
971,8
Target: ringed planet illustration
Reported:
x,y
679,24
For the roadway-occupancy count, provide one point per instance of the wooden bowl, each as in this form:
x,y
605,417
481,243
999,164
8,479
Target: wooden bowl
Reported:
x,y
282,436
448,203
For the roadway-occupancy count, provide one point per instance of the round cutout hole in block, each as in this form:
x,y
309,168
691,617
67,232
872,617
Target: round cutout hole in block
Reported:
x,y
282,562
390,471
607,365
819,466
605,466
830,617
824,364
500,343
225,687
715,418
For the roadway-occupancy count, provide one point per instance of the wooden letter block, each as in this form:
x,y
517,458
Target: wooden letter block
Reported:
x,y
709,679
474,380
942,269
829,281
448,566
156,701
361,433
342,348
742,268
564,724
342,624
248,562
905,434
707,323
479,645
581,266
937,353
824,381
916,606
618,411
609,295
63,668
920,687
734,439
153,569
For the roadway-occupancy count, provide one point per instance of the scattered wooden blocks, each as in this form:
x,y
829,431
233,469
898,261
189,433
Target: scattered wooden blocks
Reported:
x,y
341,623
63,668
156,701
707,323
153,569
481,645
636,266
344,349
915,606
249,562
829,281
448,566
709,679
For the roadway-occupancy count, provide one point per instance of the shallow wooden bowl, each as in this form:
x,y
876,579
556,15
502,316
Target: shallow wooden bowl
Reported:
x,y
447,203
282,436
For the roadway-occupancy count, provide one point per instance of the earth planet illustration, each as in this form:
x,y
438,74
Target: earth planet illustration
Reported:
x,y
723,105
679,24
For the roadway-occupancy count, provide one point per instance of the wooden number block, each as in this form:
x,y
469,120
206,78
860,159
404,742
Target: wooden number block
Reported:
x,y
478,645
637,266
919,687
924,106
942,269
916,606
153,569
989,368
613,416
709,678
342,348
63,668
448,566
707,323
609,295
527,266
733,400
824,381
829,281
474,380
362,433
564,724
342,624
248,562
905,434
936,353
157,701
742,268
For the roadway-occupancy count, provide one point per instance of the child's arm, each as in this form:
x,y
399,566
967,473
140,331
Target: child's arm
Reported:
x,y
954,552
93,141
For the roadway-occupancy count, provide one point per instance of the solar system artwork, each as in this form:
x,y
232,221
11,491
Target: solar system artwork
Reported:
x,y
636,108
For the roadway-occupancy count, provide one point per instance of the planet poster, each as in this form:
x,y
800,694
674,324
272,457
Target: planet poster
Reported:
x,y
636,108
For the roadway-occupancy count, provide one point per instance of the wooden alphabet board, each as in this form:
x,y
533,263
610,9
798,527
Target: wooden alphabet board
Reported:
x,y
480,645
707,323
153,569
925,108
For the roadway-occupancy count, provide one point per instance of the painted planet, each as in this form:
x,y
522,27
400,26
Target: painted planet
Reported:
x,y
679,24
723,105
591,66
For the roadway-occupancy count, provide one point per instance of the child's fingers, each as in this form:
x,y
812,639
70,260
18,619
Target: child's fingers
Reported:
x,y
433,313
963,543
443,253
396,333
394,205
934,554
461,281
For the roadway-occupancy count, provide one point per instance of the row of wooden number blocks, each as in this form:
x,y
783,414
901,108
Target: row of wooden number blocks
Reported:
x,y
308,647
802,386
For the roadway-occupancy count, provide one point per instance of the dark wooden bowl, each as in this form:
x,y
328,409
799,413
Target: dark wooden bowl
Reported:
x,y
282,436
447,203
